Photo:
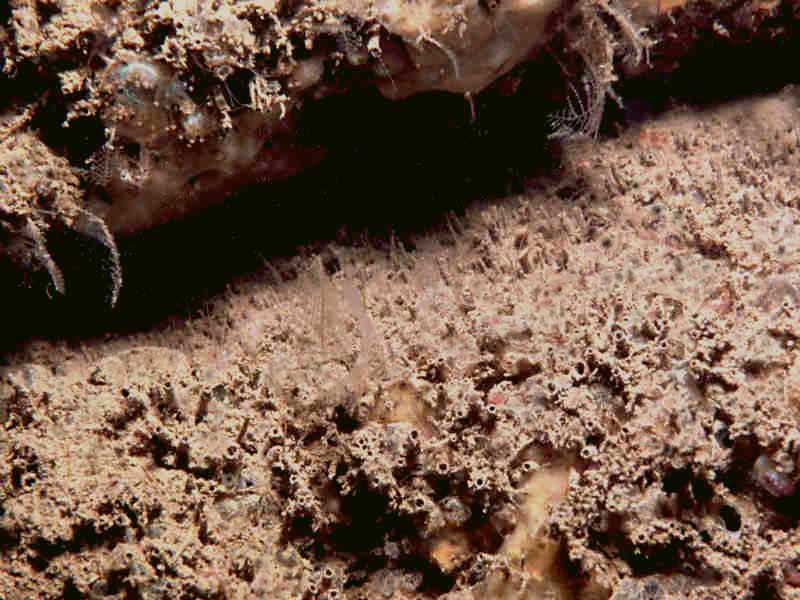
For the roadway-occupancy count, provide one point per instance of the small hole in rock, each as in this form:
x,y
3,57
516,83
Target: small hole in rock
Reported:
x,y
730,516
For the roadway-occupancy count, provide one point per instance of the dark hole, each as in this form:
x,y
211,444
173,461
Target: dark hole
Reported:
x,y
314,435
730,516
16,477
71,592
160,33
702,490
331,264
765,588
675,480
8,539
344,421
5,11
723,437
238,86
131,149
595,439
87,264
116,583
46,12
745,451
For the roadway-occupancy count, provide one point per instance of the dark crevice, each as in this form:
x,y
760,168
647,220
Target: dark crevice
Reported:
x,y
84,536
9,538
71,591
46,12
670,557
345,422
422,158
5,12
731,518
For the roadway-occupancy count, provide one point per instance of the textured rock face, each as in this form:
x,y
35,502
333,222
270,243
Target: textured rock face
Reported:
x,y
588,391
585,391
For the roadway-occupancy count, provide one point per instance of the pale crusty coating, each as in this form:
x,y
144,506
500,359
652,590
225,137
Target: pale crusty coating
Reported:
x,y
587,391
